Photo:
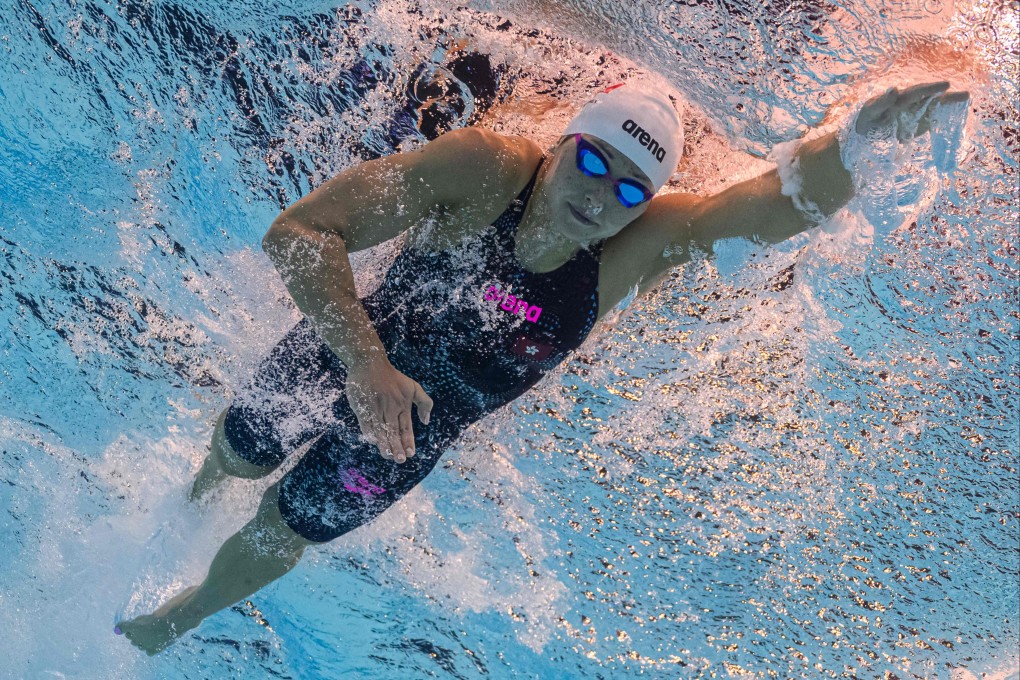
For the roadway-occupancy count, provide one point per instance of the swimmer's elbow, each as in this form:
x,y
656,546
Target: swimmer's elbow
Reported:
x,y
267,239
285,233
277,234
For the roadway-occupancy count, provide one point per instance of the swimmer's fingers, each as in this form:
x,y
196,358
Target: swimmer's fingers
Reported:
x,y
406,434
382,401
391,448
424,404
913,107
919,93
947,99
901,108
403,433
960,97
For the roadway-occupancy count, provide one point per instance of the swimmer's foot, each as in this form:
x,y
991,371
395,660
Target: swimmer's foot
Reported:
x,y
152,633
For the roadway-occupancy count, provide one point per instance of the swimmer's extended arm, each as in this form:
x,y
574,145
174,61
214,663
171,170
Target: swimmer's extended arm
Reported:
x,y
757,209
662,238
644,252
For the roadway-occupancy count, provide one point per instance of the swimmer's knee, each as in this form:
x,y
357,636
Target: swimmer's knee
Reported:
x,y
228,459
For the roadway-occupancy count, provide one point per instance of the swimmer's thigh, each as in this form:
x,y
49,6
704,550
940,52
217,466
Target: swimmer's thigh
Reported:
x,y
296,393
342,482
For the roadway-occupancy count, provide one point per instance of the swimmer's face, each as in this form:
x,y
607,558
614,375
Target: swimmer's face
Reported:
x,y
585,208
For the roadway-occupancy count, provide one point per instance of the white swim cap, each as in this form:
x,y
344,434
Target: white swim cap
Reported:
x,y
642,124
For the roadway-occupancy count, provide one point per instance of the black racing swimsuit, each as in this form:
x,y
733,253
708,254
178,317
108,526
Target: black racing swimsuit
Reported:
x,y
469,324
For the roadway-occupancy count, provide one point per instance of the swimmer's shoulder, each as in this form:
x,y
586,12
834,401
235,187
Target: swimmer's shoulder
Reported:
x,y
477,169
458,182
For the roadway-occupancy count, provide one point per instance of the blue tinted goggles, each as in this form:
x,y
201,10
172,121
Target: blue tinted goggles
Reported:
x,y
591,162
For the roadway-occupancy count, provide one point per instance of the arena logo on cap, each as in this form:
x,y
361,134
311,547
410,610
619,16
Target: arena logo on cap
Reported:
x,y
644,139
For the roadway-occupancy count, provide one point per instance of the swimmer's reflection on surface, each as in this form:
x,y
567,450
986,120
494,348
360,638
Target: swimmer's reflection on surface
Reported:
x,y
571,231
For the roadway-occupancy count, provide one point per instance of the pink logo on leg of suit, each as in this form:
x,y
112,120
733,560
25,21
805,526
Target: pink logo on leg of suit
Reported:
x,y
356,483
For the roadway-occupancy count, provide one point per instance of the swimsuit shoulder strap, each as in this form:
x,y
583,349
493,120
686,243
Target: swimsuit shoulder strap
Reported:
x,y
511,217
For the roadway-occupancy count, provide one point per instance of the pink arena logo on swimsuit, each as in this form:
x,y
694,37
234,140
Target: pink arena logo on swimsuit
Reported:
x,y
356,483
511,304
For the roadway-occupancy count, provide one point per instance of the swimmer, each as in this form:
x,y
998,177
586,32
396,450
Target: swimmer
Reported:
x,y
382,386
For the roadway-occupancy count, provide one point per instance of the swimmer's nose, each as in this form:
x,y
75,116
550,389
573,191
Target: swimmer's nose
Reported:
x,y
592,206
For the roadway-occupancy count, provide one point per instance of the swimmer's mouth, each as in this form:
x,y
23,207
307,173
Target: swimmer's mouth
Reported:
x,y
579,216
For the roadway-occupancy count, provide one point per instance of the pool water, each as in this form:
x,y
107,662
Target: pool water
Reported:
x,y
798,462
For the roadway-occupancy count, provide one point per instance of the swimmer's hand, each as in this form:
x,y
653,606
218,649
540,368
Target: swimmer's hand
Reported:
x,y
906,111
381,398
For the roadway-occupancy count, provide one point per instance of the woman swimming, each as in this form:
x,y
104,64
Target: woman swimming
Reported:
x,y
496,229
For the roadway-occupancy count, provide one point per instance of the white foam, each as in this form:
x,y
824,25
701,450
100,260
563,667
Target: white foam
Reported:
x,y
91,563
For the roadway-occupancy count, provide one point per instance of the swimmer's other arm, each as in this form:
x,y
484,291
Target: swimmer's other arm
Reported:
x,y
362,207
675,224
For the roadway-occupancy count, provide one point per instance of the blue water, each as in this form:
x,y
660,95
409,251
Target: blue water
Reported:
x,y
794,463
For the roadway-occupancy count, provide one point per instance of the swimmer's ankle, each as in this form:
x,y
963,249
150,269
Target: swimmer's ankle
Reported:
x,y
205,496
207,479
